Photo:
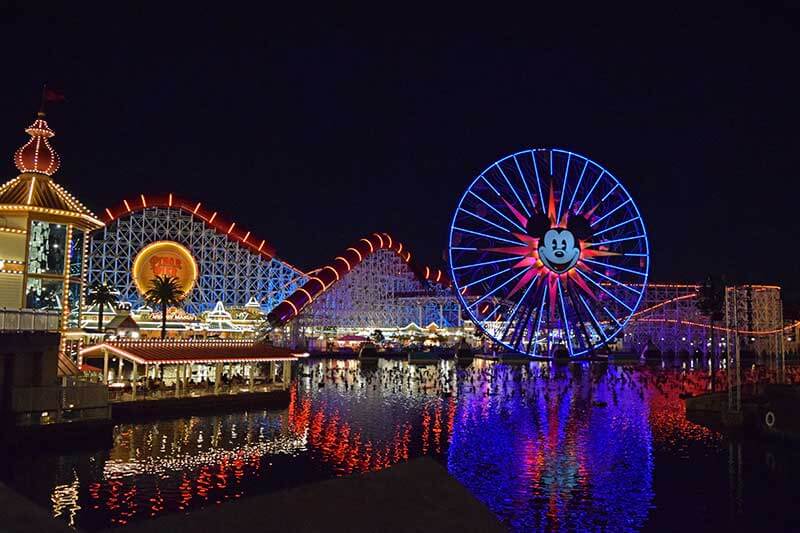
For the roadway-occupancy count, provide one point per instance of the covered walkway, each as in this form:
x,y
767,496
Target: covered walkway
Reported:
x,y
154,369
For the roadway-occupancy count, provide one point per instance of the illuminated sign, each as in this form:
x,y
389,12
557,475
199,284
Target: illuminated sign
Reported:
x,y
558,250
164,258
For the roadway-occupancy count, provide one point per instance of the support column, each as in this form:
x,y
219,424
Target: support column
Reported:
x,y
133,380
105,366
271,367
178,380
217,377
119,369
287,373
252,372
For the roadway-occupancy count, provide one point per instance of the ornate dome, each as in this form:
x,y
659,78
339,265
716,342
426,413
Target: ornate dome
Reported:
x,y
37,155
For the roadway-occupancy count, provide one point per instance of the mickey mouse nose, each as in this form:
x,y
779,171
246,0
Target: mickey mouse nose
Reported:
x,y
559,254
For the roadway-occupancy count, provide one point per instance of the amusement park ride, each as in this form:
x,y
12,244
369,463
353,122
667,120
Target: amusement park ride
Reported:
x,y
548,256
548,252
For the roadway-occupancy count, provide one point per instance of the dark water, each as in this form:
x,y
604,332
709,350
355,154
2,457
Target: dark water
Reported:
x,y
577,447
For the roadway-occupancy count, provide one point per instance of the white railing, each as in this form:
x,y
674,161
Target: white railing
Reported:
x,y
29,320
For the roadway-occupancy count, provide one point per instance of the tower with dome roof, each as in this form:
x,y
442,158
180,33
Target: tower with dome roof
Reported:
x,y
43,233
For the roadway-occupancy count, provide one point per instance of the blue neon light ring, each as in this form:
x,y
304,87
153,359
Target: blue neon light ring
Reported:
x,y
548,253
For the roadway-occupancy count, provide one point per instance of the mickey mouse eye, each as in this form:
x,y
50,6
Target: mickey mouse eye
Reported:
x,y
564,244
555,243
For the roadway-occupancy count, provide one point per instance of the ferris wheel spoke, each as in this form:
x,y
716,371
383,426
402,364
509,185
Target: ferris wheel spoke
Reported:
x,y
519,302
513,190
535,336
578,186
615,226
487,236
563,187
522,325
584,339
519,331
613,317
564,318
623,304
474,265
506,282
612,241
487,317
605,197
498,226
538,181
525,183
493,208
616,282
595,322
489,183
602,172
490,276
616,267
620,206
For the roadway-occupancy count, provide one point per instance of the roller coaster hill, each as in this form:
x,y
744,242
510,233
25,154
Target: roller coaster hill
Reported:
x,y
373,285
238,280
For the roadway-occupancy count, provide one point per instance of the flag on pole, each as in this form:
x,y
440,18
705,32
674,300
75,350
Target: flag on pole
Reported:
x,y
53,95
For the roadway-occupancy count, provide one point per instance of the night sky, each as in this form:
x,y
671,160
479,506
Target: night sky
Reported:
x,y
314,128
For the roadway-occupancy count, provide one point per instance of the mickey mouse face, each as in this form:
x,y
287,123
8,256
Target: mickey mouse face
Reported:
x,y
558,250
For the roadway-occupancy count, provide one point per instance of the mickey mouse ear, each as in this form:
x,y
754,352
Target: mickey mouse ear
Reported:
x,y
579,227
537,225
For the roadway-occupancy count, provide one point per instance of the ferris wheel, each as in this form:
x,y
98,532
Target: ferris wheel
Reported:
x,y
548,253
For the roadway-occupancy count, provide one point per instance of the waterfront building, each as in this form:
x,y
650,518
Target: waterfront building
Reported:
x,y
43,234
43,249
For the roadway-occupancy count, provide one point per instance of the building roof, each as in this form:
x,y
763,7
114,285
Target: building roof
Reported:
x,y
66,366
122,322
34,189
191,351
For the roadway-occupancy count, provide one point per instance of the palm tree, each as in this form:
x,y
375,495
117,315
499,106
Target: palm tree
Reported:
x,y
164,291
101,295
711,303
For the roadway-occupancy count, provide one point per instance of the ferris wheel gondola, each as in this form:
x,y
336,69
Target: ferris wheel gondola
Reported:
x,y
548,253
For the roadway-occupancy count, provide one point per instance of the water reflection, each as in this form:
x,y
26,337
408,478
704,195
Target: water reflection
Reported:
x,y
545,447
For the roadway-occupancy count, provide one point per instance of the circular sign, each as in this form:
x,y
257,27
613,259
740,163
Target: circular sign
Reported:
x,y
164,258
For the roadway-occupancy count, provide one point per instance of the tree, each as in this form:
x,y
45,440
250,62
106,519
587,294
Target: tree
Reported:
x,y
711,304
101,294
164,291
